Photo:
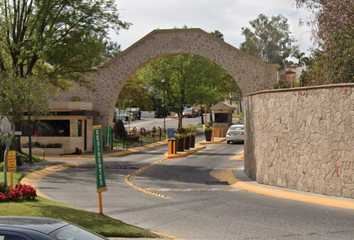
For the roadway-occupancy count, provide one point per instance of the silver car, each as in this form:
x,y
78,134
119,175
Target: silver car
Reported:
x,y
37,228
236,133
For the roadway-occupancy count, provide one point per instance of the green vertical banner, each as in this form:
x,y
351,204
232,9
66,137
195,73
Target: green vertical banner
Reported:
x,y
97,142
108,141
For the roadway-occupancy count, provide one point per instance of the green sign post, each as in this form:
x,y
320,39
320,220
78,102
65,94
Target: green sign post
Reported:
x,y
100,180
108,141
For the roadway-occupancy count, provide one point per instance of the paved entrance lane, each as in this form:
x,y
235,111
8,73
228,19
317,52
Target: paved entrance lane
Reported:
x,y
208,215
191,173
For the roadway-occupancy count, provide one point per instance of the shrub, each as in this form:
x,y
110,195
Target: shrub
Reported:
x,y
4,190
27,192
180,133
40,145
209,126
2,197
20,192
119,129
14,194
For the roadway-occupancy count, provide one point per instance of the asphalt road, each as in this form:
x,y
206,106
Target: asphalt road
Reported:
x,y
198,206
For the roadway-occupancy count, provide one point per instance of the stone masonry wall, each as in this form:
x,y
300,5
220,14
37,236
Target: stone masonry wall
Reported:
x,y
302,138
250,74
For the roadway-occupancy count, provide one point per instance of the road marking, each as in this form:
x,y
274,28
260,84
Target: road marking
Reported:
x,y
192,189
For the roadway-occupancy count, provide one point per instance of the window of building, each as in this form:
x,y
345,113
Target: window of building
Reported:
x,y
222,118
47,128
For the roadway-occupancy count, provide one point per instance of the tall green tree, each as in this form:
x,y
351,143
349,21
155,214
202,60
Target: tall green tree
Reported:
x,y
18,95
49,43
189,80
332,29
135,94
59,39
269,39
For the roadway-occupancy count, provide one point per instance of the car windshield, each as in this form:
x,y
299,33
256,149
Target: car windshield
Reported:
x,y
236,128
188,110
75,233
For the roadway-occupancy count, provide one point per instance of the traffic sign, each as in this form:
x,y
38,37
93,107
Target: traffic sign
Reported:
x,y
170,132
11,161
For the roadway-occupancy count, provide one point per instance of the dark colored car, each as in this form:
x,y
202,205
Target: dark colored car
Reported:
x,y
36,228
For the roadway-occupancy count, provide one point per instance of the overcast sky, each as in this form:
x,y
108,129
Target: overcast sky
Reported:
x,y
227,16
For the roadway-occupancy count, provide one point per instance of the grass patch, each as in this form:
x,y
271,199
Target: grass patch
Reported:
x,y
238,115
15,176
98,223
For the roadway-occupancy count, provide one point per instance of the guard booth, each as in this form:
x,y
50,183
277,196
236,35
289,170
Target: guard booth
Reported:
x,y
223,118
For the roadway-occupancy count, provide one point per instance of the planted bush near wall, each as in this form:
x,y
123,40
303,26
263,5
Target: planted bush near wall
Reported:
x,y
40,145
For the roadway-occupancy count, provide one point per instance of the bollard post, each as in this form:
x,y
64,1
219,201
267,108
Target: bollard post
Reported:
x,y
174,148
169,147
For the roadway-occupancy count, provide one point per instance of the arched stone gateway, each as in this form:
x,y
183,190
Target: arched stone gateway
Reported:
x,y
251,74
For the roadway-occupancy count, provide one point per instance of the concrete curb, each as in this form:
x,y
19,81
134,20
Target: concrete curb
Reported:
x,y
271,191
212,142
184,154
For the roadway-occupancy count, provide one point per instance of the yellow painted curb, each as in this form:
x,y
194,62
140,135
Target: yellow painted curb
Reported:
x,y
239,156
166,236
212,142
166,157
184,154
229,176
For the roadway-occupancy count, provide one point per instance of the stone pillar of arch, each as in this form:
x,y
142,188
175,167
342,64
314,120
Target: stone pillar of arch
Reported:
x,y
250,74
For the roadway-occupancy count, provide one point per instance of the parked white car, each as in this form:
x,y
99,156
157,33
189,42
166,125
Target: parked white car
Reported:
x,y
236,133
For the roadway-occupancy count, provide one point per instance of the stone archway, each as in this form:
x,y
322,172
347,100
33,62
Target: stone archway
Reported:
x,y
251,74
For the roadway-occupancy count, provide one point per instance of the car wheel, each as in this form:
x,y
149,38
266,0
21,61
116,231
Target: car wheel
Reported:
x,y
228,142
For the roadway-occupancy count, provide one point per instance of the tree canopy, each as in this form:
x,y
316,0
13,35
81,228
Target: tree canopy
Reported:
x,y
18,95
269,39
332,29
46,44
135,94
218,34
189,80
59,39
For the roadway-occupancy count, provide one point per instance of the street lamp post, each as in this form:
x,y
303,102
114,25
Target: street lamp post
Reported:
x,y
164,105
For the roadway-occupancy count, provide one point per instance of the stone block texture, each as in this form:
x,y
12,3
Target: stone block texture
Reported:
x,y
302,138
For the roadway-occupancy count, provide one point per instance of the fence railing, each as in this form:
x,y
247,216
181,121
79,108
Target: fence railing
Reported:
x,y
138,138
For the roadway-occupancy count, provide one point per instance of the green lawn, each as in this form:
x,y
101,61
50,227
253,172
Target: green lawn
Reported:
x,y
96,222
238,115
16,177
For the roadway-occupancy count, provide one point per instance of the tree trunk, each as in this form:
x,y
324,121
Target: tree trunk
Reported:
x,y
5,164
